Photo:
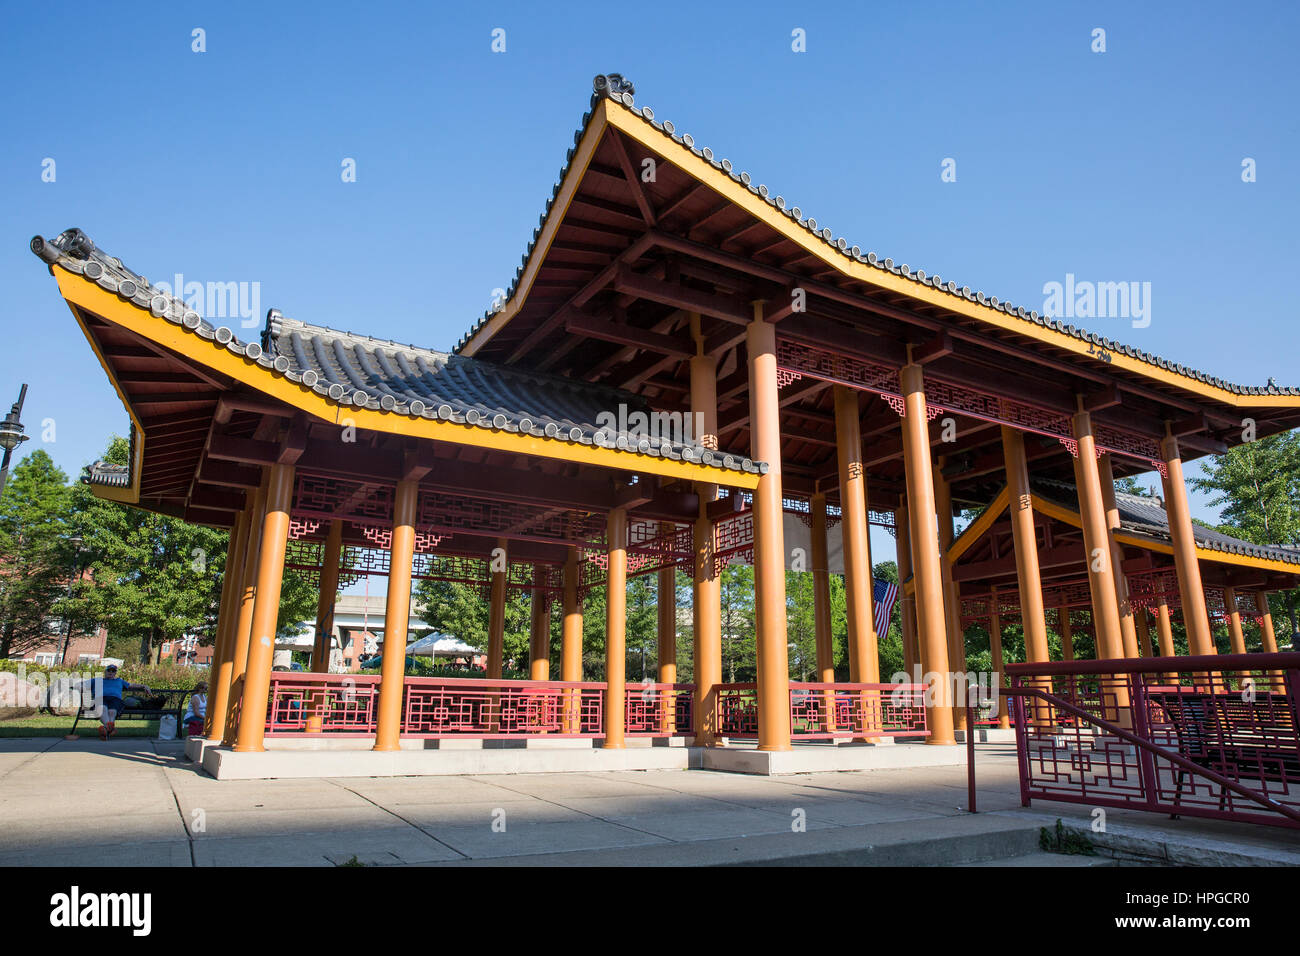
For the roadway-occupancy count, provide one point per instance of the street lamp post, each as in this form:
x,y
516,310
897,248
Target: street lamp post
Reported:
x,y
11,434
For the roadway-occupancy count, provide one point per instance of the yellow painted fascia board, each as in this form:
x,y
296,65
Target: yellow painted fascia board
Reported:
x,y
1164,547
86,294
726,187
131,494
975,530
568,189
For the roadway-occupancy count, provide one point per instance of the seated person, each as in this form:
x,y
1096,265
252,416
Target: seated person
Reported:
x,y
109,691
198,709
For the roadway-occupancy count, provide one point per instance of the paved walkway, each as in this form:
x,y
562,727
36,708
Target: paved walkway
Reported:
x,y
129,802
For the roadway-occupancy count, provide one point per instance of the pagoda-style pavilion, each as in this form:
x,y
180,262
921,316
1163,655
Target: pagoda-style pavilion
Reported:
x,y
685,362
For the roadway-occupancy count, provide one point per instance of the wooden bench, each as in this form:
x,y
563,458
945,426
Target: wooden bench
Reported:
x,y
1244,740
153,707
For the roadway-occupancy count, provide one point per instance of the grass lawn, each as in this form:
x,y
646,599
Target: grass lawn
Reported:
x,y
43,725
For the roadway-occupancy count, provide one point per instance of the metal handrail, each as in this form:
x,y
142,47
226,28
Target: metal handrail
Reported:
x,y
1142,744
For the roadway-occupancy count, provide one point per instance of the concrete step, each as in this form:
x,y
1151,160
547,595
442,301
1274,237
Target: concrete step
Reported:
x,y
940,841
1047,859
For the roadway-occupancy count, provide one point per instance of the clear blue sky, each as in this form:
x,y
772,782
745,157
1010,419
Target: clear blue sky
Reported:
x,y
225,165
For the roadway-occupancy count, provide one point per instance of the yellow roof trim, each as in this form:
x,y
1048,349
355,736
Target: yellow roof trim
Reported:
x,y
721,183
568,189
86,294
976,528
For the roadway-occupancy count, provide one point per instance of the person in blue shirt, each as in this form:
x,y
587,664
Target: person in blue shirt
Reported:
x,y
109,691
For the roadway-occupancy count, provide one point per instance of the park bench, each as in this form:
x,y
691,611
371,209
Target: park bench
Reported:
x,y
152,707
1249,741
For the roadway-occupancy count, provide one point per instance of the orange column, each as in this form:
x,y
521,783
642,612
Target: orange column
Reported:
x,y
822,591
995,651
666,630
864,660
329,592
497,610
571,642
951,603
1267,636
1195,617
1096,542
932,634
615,629
244,623
1235,633
397,616
1143,631
539,642
706,606
232,600
1025,539
769,539
1164,628
906,602
1067,633
1127,628
266,610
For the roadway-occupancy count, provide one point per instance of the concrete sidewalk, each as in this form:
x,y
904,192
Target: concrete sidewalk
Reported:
x,y
86,803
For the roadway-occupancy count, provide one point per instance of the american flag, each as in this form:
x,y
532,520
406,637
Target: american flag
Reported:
x,y
884,594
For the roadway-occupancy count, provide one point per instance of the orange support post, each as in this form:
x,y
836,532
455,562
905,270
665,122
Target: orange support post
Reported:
x,y
571,642
951,603
1067,633
707,586
932,634
1143,631
1096,542
773,663
1267,636
1195,617
244,623
1024,537
266,610
906,602
232,590
995,651
397,616
616,629
497,609
666,629
1127,627
864,660
539,637
822,591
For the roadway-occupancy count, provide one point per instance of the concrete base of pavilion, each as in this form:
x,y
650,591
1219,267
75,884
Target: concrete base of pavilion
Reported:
x,y
988,735
350,757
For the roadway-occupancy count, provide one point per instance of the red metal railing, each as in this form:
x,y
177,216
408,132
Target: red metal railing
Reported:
x,y
305,704
337,704
659,710
1212,736
823,711
466,707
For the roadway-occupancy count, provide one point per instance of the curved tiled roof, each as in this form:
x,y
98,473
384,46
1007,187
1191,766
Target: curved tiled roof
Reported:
x,y
1147,516
620,92
106,473
363,372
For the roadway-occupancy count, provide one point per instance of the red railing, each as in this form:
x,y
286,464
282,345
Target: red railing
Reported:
x,y
824,711
467,707
1212,736
338,704
659,710
305,704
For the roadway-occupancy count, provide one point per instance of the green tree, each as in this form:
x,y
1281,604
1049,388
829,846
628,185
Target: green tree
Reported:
x,y
155,578
36,554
